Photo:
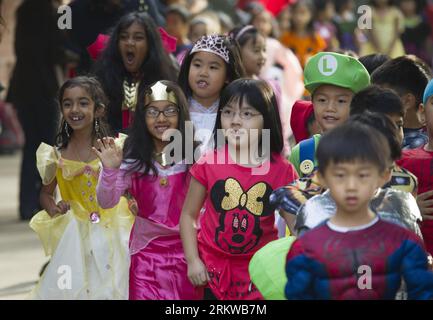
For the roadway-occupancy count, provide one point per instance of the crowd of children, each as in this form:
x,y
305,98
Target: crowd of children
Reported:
x,y
174,171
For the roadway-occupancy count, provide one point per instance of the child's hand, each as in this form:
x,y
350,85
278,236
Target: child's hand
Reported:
x,y
197,273
425,204
109,153
60,208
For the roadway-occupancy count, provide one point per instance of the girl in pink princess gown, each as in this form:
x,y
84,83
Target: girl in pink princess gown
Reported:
x,y
143,169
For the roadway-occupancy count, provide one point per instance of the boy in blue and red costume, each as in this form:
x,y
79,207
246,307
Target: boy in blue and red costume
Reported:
x,y
355,254
419,161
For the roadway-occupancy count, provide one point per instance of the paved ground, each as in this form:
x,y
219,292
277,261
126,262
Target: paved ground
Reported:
x,y
21,254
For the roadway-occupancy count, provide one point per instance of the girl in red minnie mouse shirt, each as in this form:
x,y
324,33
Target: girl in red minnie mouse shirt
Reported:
x,y
234,183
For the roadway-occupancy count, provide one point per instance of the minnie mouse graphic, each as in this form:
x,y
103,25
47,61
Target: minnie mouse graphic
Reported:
x,y
239,228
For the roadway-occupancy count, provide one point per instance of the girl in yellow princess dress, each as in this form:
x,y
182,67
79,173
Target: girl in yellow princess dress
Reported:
x,y
88,246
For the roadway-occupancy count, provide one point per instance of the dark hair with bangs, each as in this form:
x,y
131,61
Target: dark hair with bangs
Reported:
x,y
259,95
94,89
385,125
377,99
139,145
350,142
110,70
235,68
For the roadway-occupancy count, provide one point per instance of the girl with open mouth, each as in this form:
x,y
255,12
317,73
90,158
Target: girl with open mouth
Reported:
x,y
133,59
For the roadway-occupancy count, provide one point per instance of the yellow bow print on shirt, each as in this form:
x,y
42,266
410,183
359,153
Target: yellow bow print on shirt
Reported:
x,y
238,198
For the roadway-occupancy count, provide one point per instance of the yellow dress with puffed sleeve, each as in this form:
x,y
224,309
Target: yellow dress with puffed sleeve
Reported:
x,y
384,29
89,246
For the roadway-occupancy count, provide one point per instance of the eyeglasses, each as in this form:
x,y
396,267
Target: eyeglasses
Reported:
x,y
243,114
154,113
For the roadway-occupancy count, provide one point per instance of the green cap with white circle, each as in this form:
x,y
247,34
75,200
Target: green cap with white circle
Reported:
x,y
335,69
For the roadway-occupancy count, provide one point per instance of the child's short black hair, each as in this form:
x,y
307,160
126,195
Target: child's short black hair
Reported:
x,y
377,99
405,74
350,142
373,61
385,125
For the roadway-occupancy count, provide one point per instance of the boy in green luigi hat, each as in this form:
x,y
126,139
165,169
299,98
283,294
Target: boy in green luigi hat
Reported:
x,y
332,79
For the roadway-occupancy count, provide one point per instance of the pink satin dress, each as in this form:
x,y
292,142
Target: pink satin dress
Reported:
x,y
158,268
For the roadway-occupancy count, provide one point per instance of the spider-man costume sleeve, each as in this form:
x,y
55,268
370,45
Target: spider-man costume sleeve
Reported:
x,y
419,279
299,274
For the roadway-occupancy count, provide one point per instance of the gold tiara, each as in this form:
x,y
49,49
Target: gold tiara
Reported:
x,y
159,92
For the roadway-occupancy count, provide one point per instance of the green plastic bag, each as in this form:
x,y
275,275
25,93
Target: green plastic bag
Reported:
x,y
267,268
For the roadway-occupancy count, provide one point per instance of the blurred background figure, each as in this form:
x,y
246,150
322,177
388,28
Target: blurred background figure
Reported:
x,y
33,88
387,27
2,22
205,23
416,36
263,20
281,66
284,17
11,134
177,25
323,25
346,23
273,6
302,37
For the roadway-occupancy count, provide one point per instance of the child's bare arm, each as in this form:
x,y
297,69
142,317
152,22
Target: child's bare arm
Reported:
x,y
48,202
197,272
300,275
290,221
